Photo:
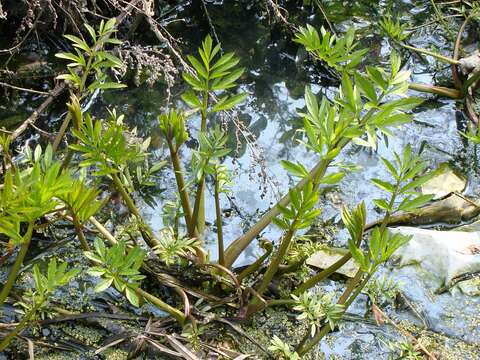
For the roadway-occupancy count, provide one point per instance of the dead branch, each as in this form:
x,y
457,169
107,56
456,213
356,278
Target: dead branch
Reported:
x,y
23,89
57,90
407,334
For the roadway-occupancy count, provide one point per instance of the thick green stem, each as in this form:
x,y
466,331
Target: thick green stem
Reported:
x,y
236,247
277,259
437,90
240,244
182,190
200,213
79,231
177,314
218,212
12,275
197,207
184,199
446,59
147,233
323,274
61,132
256,265
347,297
292,267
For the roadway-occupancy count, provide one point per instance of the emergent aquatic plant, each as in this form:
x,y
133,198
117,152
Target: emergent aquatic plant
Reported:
x,y
368,103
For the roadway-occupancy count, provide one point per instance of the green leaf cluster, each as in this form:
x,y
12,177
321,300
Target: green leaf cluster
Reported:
x,y
301,212
211,148
213,73
339,53
355,222
104,144
223,178
408,173
56,276
172,247
172,126
382,245
282,349
394,29
316,309
28,194
92,59
82,200
117,266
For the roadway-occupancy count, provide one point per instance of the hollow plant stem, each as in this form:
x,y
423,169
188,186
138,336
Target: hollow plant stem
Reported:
x,y
255,265
61,132
182,191
200,215
12,275
197,207
236,247
177,314
277,259
322,274
218,212
240,244
437,90
79,231
184,199
147,233
443,58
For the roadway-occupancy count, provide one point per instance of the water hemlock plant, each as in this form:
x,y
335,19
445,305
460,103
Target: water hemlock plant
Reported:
x,y
106,154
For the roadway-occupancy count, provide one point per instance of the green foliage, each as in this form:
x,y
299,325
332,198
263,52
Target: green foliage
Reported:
x,y
104,144
301,213
325,126
382,244
92,59
144,180
338,53
171,247
172,126
282,349
472,134
223,178
406,172
36,300
193,332
82,200
404,350
31,193
117,266
211,148
382,290
355,222
213,72
316,309
375,86
394,29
